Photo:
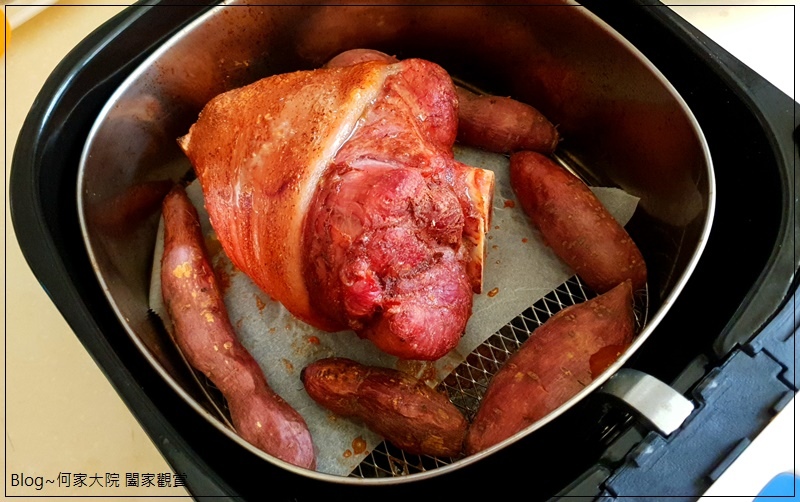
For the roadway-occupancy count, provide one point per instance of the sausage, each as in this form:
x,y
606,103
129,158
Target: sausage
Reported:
x,y
575,224
503,125
559,359
402,409
205,336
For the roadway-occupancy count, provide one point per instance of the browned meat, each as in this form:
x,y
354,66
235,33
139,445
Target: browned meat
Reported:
x,y
336,191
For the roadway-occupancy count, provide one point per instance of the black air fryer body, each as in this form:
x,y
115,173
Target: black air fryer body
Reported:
x,y
732,328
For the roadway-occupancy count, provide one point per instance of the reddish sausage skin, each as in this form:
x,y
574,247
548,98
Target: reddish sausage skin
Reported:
x,y
204,334
402,409
574,223
503,125
559,359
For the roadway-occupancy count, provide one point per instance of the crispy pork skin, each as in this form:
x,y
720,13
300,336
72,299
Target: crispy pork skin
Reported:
x,y
336,191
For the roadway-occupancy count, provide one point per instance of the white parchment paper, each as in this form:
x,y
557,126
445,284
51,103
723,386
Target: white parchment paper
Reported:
x,y
519,270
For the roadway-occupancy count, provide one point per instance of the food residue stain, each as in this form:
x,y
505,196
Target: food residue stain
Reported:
x,y
409,366
359,445
493,292
509,203
313,340
260,303
223,277
421,370
347,454
213,245
524,240
495,246
429,375
289,365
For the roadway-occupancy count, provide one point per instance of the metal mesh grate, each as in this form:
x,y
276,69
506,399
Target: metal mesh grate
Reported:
x,y
388,461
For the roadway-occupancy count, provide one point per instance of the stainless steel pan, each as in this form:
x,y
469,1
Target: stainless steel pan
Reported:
x,y
622,122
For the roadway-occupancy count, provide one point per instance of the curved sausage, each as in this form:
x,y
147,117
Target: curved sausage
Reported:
x,y
503,125
575,224
402,409
205,336
556,362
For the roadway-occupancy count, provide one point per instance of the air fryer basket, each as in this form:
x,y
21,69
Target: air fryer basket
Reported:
x,y
622,122
37,201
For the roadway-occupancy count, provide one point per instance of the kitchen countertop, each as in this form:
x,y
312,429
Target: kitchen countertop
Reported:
x,y
62,416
